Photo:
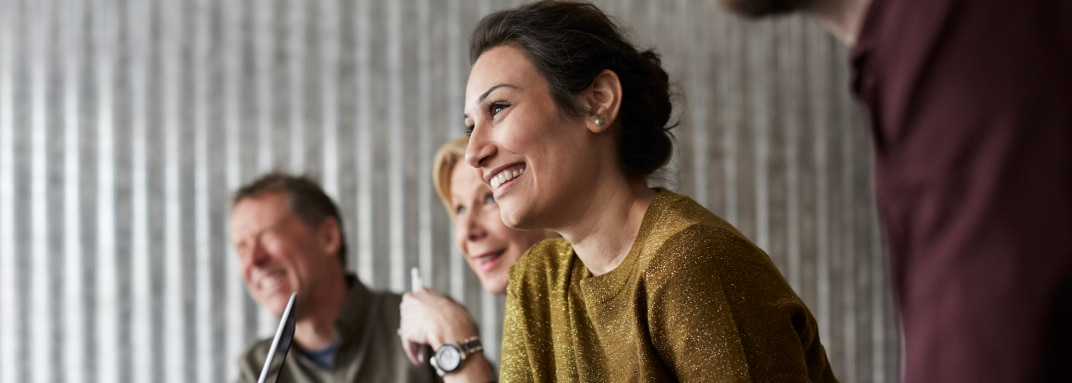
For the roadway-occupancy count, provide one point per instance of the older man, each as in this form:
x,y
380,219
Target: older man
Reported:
x,y
289,238
971,110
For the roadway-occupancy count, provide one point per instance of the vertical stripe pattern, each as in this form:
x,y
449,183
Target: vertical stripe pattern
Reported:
x,y
10,365
138,17
41,286
106,332
74,315
125,125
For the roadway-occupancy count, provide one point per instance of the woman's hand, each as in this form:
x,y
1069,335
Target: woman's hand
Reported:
x,y
430,318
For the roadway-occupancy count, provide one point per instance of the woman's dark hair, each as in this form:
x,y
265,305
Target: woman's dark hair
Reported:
x,y
570,43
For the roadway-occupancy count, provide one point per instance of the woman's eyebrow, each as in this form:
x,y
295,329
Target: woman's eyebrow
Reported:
x,y
484,96
486,93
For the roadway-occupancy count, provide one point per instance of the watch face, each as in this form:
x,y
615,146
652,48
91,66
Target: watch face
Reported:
x,y
448,357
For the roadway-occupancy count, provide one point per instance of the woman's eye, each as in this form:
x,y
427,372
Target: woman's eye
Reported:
x,y
497,107
469,130
488,199
459,210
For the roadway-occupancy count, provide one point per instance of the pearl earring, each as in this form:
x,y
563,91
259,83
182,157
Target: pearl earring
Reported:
x,y
599,121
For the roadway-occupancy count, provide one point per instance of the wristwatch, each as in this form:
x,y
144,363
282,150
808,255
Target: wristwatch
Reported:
x,y
449,357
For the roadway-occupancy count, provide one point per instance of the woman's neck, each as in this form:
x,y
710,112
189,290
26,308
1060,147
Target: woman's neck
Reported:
x,y
605,231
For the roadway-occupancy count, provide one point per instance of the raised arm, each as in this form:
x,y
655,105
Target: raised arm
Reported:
x,y
433,319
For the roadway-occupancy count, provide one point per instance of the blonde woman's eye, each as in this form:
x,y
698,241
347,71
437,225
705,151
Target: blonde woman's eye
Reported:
x,y
459,210
489,199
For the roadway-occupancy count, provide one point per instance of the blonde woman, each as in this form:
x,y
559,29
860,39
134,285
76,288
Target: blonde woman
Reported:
x,y
489,247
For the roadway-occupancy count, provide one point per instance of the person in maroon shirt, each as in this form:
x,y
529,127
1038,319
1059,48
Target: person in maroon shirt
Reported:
x,y
971,110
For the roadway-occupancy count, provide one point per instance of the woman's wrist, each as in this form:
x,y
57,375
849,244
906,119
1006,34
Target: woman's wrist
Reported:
x,y
475,368
452,331
454,325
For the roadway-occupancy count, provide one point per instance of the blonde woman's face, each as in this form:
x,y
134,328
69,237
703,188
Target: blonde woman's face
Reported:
x,y
489,246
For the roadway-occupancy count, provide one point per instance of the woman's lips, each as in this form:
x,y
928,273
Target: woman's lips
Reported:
x,y
488,260
507,175
503,178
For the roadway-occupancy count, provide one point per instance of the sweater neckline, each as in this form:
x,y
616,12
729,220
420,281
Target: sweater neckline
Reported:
x,y
600,289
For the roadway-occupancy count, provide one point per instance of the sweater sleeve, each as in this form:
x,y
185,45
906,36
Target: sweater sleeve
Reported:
x,y
516,364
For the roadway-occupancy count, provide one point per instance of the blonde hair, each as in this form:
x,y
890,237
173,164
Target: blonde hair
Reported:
x,y
446,159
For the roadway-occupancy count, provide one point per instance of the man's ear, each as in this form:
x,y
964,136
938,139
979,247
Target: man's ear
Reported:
x,y
603,98
329,236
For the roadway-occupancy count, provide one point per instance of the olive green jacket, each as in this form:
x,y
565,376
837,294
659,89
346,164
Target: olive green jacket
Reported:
x,y
369,347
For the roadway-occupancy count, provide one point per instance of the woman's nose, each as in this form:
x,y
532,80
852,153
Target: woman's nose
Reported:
x,y
480,149
472,229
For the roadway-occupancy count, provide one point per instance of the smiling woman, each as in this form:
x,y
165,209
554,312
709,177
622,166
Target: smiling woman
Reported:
x,y
567,120
489,247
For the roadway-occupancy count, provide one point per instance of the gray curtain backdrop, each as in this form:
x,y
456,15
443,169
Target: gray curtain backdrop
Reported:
x,y
125,125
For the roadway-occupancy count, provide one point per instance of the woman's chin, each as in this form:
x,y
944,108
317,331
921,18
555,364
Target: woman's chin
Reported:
x,y
517,219
509,218
495,286
513,210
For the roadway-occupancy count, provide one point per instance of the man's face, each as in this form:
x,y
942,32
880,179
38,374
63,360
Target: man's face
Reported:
x,y
760,8
278,253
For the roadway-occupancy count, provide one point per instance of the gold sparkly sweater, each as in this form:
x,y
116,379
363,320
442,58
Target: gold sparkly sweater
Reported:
x,y
693,301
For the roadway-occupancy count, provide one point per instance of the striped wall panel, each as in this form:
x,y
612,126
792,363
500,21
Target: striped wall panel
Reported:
x,y
125,125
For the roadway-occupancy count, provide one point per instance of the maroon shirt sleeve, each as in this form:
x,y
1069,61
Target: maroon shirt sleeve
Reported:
x,y
971,110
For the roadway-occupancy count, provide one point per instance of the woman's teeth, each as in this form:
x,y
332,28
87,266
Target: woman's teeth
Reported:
x,y
505,176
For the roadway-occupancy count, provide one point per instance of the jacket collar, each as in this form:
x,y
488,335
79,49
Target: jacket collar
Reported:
x,y
351,320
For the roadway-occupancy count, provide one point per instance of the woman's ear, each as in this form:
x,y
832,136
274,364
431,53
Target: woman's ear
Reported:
x,y
604,98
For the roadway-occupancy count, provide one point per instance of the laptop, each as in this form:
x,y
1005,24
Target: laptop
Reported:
x,y
284,336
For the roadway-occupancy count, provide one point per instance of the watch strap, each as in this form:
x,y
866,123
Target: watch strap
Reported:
x,y
470,346
466,347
